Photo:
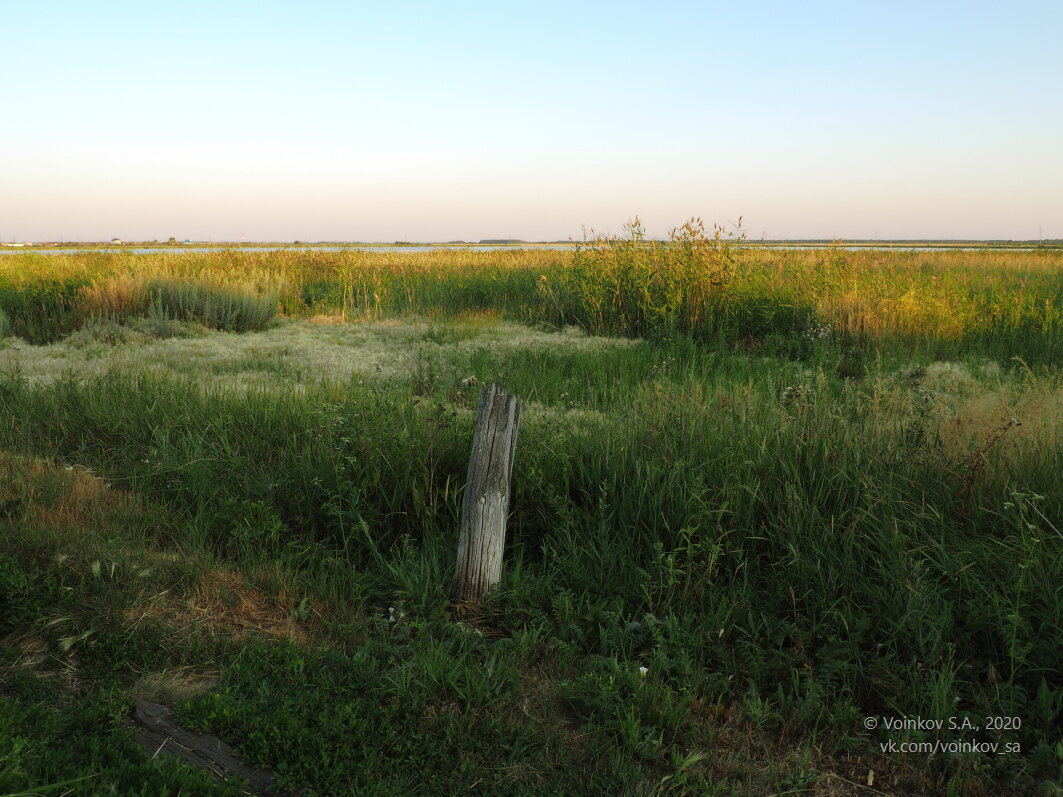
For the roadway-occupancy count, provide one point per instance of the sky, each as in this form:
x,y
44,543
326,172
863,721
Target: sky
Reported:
x,y
433,121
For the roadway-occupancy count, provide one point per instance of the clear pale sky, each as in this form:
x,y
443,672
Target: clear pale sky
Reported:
x,y
466,120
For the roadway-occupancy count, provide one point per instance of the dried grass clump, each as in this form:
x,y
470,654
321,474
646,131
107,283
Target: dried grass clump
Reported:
x,y
225,604
116,297
171,687
42,493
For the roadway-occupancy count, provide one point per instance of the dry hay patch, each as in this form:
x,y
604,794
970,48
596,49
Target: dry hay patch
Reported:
x,y
176,685
327,319
1023,422
975,423
225,604
42,492
30,649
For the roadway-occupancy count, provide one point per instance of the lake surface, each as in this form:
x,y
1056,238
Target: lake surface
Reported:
x,y
180,250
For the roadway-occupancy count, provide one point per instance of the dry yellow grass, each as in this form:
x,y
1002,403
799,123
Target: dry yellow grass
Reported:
x,y
45,494
117,296
224,603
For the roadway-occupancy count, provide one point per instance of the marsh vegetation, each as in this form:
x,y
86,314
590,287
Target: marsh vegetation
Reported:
x,y
759,495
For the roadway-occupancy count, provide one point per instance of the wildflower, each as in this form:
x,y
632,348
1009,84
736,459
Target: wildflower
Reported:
x,y
819,331
643,670
469,381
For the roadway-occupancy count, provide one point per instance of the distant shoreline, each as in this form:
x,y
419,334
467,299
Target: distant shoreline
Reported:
x,y
810,243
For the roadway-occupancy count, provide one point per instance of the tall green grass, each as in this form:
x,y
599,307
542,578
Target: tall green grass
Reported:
x,y
828,486
631,286
214,307
713,287
829,547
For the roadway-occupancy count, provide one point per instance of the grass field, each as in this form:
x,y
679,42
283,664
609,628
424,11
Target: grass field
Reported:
x,y
759,496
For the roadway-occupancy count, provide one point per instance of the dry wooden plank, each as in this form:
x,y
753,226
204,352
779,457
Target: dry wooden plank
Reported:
x,y
159,735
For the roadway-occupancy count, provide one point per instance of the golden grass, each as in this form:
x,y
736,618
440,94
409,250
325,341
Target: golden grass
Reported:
x,y
52,496
173,686
944,294
223,603
118,296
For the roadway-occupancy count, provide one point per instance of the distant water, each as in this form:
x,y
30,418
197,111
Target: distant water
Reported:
x,y
184,249
480,248
939,248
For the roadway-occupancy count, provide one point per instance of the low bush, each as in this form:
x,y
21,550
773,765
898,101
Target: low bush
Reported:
x,y
221,308
42,311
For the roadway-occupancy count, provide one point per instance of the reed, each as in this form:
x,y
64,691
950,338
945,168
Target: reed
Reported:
x,y
709,286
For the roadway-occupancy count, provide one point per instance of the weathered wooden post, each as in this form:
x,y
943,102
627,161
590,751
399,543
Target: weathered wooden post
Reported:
x,y
486,501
